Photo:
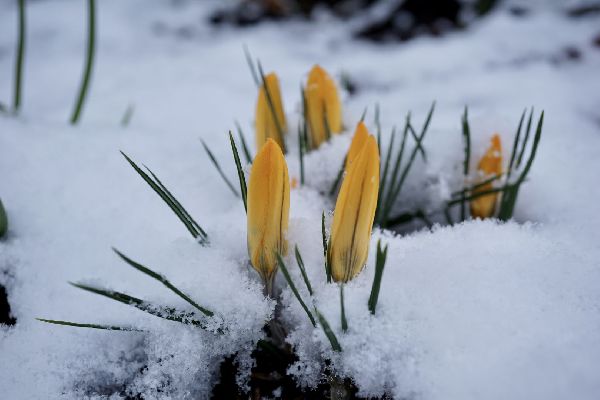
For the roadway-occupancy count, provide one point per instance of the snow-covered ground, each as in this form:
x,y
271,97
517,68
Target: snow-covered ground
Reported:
x,y
479,310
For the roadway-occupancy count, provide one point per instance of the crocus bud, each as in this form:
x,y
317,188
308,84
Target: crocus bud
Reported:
x,y
360,137
270,118
354,214
322,106
489,165
268,210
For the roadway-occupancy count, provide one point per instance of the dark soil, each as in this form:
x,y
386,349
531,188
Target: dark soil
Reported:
x,y
269,379
5,314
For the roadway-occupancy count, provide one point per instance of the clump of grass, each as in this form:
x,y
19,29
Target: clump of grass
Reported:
x,y
158,310
157,186
507,186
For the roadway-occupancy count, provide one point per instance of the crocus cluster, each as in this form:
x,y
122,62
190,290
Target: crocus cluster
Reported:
x,y
269,203
321,104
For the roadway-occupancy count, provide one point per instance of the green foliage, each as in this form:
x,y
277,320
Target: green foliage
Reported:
x,y
335,344
3,220
387,199
509,190
303,270
379,266
92,326
343,309
89,61
164,281
127,115
19,59
245,148
292,286
157,310
324,234
192,226
218,168
240,172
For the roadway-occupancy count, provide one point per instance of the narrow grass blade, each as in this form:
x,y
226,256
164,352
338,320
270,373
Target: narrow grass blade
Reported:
x,y
379,266
408,217
448,216
395,190
288,278
127,115
326,122
386,164
278,124
87,72
408,166
301,150
194,229
251,66
20,56
466,133
164,281
525,140
3,220
338,178
475,196
240,171
477,186
324,234
364,114
509,200
418,143
302,270
343,310
335,345
198,228
385,203
427,121
378,126
93,326
245,147
536,142
513,154
218,168
160,311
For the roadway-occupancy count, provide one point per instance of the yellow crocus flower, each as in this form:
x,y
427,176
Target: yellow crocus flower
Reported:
x,y
268,125
268,210
360,137
322,106
489,165
354,214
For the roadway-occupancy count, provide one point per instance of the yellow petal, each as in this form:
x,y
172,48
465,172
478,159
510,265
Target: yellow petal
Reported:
x,y
489,165
360,137
268,209
322,105
266,125
354,214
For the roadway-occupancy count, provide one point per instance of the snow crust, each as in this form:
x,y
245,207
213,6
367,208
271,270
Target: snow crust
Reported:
x,y
479,310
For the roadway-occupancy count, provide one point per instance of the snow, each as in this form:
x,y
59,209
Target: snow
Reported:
x,y
478,310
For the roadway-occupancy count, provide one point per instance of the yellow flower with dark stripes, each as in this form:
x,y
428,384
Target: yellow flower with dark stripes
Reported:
x,y
354,214
323,107
489,166
270,118
268,210
358,140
